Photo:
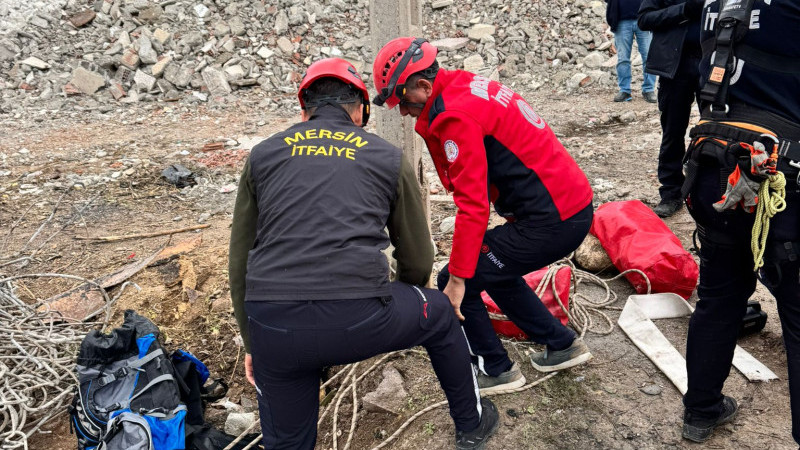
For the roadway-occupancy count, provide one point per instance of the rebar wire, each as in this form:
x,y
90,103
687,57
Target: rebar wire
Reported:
x,y
37,366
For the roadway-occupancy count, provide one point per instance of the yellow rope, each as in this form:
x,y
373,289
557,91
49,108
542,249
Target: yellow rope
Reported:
x,y
768,206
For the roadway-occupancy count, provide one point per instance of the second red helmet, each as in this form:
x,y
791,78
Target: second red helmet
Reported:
x,y
395,62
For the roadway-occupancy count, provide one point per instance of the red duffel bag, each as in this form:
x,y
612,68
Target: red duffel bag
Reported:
x,y
636,238
563,279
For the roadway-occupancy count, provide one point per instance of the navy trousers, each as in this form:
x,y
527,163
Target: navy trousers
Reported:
x,y
292,341
675,98
727,281
510,251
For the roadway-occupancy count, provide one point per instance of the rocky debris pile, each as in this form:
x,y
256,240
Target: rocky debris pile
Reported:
x,y
564,44
131,51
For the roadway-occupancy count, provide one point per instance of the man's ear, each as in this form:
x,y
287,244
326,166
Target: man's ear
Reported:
x,y
425,85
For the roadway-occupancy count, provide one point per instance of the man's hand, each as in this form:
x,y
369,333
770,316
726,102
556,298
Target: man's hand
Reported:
x,y
455,292
248,369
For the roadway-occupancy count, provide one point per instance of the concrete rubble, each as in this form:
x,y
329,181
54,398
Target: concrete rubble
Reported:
x,y
222,49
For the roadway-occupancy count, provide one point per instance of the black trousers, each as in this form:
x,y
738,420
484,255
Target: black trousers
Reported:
x,y
675,98
292,341
726,282
510,251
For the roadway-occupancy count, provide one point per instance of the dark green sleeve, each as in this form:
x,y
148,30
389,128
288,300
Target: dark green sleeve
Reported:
x,y
408,230
243,235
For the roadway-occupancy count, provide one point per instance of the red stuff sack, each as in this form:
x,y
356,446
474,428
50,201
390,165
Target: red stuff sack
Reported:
x,y
563,278
636,238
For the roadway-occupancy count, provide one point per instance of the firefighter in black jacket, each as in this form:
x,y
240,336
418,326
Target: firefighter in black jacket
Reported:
x,y
675,57
309,282
744,157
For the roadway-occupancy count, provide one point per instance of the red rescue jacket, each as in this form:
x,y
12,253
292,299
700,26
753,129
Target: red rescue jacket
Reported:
x,y
489,145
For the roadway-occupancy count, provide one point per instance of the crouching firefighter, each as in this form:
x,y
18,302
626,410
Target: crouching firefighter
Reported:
x,y
309,282
742,190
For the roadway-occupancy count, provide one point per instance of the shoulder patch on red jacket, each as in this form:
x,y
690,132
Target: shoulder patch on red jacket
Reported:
x,y
451,150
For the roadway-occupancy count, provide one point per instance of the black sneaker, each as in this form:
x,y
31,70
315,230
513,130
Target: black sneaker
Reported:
x,y
476,439
622,97
510,379
667,208
650,97
547,361
699,430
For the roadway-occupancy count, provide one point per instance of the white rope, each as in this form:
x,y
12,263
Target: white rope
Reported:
x,y
582,307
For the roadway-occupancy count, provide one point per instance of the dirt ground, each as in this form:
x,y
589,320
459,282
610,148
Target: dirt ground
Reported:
x,y
598,405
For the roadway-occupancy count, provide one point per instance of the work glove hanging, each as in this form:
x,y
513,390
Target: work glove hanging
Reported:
x,y
743,184
741,190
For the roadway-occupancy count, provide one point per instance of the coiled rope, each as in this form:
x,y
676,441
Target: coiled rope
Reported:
x,y
582,308
768,205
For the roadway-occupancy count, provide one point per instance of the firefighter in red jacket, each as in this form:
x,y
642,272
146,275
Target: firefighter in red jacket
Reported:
x,y
490,146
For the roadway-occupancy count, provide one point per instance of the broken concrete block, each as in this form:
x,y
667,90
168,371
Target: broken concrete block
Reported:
x,y
265,53
238,423
201,10
234,72
158,68
180,76
216,82
594,60
144,81
161,36
86,81
437,4
473,63
116,89
237,26
36,63
124,76
221,29
285,45
82,18
480,30
130,59
124,39
151,14
390,396
147,55
450,44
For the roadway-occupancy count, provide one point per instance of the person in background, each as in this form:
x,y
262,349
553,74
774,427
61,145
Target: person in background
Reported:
x,y
621,17
675,57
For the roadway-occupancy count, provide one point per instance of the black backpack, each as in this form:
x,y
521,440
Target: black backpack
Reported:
x,y
128,396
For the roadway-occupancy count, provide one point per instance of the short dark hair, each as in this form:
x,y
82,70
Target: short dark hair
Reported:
x,y
332,89
428,73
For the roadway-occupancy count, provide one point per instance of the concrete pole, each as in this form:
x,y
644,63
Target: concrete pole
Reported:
x,y
389,19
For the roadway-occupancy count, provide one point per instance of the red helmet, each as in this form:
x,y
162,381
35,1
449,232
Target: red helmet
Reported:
x,y
339,69
398,59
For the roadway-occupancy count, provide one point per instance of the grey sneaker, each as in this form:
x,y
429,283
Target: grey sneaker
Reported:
x,y
547,361
510,379
476,439
650,97
622,97
699,430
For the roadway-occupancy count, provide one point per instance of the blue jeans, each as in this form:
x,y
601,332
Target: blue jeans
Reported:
x,y
623,40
